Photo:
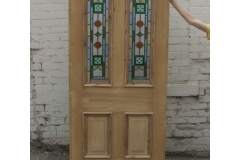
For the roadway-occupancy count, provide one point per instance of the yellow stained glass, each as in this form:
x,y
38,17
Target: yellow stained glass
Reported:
x,y
88,30
149,4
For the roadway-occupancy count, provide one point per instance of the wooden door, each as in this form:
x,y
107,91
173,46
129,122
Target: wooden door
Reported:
x,y
118,78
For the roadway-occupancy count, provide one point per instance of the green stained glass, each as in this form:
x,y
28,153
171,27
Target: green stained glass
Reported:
x,y
97,60
97,41
139,60
139,46
140,8
139,34
97,7
98,34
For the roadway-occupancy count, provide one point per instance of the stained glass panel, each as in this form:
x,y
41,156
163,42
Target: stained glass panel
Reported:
x,y
139,41
97,41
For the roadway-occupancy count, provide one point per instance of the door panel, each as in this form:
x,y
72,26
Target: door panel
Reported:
x,y
138,135
117,95
120,99
97,135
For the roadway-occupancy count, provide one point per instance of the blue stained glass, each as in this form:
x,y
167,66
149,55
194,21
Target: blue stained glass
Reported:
x,y
104,45
106,4
148,61
91,22
130,18
91,59
130,65
91,50
149,15
88,6
106,50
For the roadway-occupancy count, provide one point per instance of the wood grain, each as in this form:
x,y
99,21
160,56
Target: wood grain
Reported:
x,y
138,135
118,149
160,67
75,77
117,98
97,134
118,43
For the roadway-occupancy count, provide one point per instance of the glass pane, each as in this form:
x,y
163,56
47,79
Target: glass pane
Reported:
x,y
139,47
97,51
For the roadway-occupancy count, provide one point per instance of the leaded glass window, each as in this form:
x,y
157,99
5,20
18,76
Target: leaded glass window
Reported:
x,y
97,40
139,41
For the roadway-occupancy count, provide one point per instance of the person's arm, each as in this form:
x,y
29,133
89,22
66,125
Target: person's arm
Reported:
x,y
188,16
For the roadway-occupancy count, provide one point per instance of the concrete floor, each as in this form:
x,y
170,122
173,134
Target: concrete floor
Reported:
x,y
50,156
38,152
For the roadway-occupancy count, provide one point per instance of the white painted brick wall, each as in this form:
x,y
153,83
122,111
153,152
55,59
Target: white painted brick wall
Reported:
x,y
188,110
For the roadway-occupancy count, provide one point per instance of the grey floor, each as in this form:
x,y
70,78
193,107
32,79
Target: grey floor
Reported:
x,y
50,156
39,152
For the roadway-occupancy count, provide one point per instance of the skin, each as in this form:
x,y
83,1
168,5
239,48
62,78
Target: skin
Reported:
x,y
188,16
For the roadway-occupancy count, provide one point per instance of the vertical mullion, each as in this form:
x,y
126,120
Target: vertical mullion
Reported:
x,y
133,39
91,39
104,39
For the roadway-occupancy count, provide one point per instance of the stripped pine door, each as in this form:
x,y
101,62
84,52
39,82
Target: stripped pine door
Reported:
x,y
118,78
